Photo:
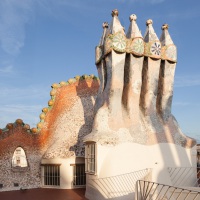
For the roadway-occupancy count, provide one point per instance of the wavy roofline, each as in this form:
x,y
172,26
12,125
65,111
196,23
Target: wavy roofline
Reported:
x,y
45,110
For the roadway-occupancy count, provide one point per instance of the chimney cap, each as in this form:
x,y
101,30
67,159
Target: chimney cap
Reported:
x,y
132,17
165,26
115,12
149,21
105,25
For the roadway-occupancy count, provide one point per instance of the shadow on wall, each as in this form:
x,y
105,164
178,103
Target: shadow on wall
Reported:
x,y
116,187
87,92
184,176
150,190
79,176
163,122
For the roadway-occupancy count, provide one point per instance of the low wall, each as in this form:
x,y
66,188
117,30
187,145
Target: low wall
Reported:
x,y
126,158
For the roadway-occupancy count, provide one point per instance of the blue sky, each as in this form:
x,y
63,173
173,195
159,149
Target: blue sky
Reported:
x,y
47,41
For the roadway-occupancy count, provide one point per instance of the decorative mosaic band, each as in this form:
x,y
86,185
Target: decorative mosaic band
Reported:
x,y
116,42
136,46
169,53
153,49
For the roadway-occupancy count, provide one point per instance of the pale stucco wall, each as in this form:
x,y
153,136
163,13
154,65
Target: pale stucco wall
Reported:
x,y
128,158
66,170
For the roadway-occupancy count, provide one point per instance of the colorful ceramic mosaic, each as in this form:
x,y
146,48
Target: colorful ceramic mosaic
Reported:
x,y
169,53
156,48
153,49
137,46
119,42
115,41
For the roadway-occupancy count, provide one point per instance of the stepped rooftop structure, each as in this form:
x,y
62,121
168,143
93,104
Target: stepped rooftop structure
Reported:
x,y
115,134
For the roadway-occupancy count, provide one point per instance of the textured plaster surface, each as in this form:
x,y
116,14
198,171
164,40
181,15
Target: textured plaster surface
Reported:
x,y
70,119
136,87
65,124
133,106
28,177
133,126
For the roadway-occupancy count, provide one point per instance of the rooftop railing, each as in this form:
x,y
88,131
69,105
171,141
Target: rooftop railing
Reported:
x,y
120,185
184,176
146,190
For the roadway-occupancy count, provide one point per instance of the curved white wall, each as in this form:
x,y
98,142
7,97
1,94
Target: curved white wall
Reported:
x,y
126,158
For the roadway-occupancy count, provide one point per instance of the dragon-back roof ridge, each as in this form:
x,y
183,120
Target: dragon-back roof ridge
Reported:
x,y
45,110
